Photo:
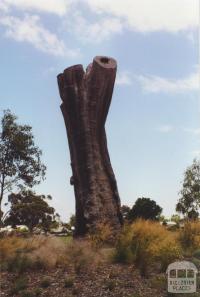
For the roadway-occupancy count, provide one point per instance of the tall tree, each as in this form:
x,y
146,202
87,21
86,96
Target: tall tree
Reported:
x,y
145,208
31,210
189,201
20,163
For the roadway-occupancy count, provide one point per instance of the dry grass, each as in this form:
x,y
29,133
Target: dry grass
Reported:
x,y
145,243
82,256
102,235
41,252
189,236
50,251
37,252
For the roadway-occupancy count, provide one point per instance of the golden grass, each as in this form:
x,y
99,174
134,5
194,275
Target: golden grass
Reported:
x,y
145,243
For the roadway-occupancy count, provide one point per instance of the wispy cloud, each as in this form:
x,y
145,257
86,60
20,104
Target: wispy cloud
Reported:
x,y
3,7
195,153
194,131
157,84
93,32
124,78
58,7
148,16
165,128
30,30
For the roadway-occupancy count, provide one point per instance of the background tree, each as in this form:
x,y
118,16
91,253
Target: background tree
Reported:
x,y
72,221
145,208
189,201
20,162
176,219
31,210
125,210
163,219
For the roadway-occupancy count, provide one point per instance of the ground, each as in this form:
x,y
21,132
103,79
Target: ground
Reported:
x,y
113,280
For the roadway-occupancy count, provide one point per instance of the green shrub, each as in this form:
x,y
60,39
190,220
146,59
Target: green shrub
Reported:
x,y
19,263
165,252
196,254
189,236
123,252
196,262
158,282
20,284
45,283
69,282
145,243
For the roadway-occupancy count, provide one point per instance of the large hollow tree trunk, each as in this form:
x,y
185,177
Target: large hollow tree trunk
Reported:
x,y
86,99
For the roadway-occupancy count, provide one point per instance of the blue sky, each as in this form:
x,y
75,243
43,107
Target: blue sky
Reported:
x,y
153,126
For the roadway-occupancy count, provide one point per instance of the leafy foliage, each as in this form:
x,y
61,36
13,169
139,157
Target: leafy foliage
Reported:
x,y
20,162
145,208
189,202
31,210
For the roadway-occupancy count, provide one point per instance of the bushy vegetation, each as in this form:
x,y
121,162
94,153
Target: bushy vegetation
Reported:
x,y
189,236
81,255
145,243
103,234
20,284
20,158
189,201
20,254
146,209
31,210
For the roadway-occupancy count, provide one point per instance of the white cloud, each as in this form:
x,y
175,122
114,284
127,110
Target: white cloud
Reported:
x,y
58,7
3,7
123,78
151,15
156,84
93,32
196,153
193,131
165,128
29,29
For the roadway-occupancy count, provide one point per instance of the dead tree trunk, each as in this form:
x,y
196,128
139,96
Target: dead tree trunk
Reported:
x,y
86,99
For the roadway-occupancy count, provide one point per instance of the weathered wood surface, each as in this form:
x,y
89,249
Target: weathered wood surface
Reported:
x,y
86,99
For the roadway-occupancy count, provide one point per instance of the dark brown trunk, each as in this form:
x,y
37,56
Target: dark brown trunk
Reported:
x,y
86,99
1,198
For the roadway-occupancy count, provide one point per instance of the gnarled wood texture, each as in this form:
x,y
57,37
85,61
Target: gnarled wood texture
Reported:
x,y
86,99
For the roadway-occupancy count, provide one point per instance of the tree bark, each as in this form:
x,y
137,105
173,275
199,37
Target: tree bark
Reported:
x,y
86,99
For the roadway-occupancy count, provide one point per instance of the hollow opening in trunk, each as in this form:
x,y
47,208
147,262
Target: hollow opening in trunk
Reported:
x,y
104,60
